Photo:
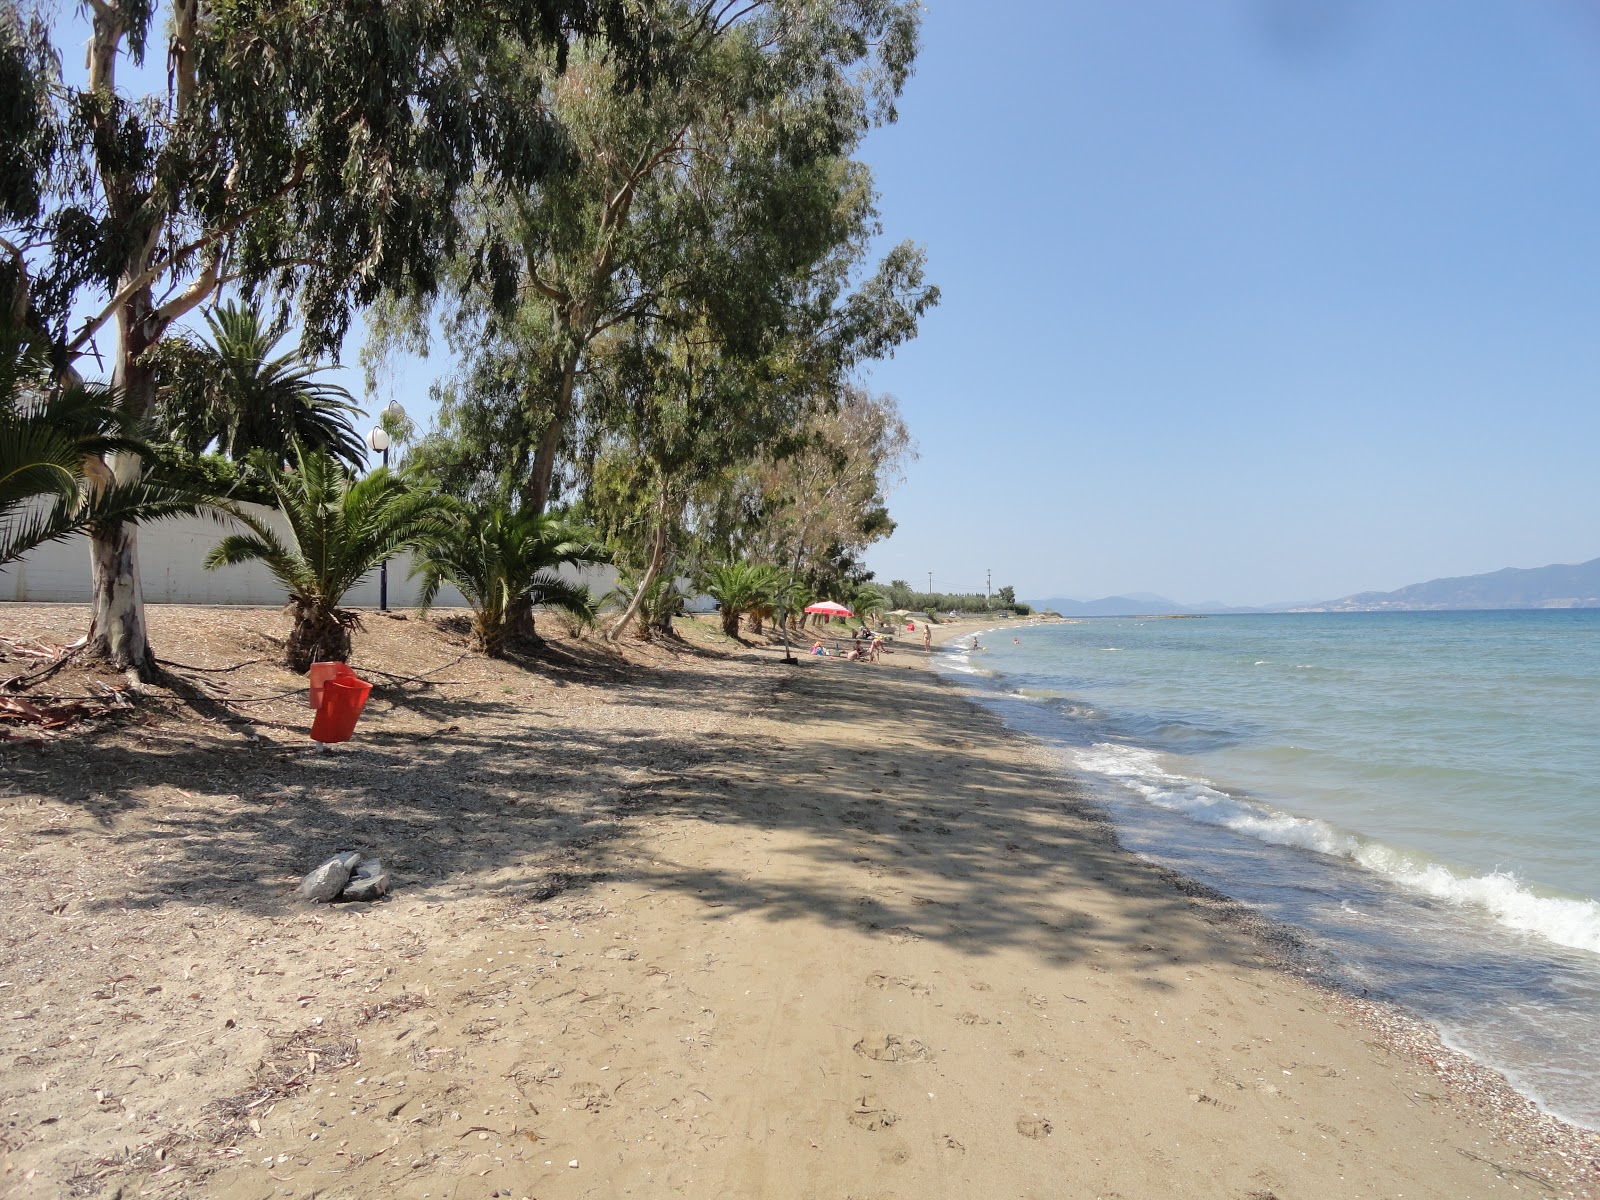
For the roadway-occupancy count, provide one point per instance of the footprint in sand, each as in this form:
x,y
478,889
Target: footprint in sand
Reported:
x,y
879,980
1034,1127
870,1115
590,1096
889,1047
971,1018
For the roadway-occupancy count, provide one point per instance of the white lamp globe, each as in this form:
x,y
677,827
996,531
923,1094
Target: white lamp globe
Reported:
x,y
378,439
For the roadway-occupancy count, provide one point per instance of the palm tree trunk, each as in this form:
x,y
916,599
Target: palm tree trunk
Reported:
x,y
317,636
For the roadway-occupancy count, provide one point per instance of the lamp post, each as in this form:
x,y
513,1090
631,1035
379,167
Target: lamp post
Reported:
x,y
379,440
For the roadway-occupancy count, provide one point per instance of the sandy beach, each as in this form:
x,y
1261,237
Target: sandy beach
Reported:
x,y
677,921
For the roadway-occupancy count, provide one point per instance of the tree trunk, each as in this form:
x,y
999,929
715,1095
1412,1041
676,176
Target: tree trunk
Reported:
x,y
317,637
117,630
730,621
544,459
658,551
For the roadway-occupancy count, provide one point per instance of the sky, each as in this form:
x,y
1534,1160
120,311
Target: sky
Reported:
x,y
1248,301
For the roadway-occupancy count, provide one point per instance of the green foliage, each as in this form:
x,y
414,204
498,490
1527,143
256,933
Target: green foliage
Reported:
x,y
662,600
53,480
724,207
339,530
236,394
868,601
965,602
900,594
740,588
209,474
504,563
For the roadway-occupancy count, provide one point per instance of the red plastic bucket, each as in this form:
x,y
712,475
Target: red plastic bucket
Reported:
x,y
321,672
343,698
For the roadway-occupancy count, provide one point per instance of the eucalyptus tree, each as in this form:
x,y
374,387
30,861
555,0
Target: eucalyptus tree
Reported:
x,y
818,499
314,149
732,186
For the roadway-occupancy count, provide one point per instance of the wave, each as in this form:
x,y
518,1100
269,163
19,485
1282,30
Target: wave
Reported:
x,y
1574,923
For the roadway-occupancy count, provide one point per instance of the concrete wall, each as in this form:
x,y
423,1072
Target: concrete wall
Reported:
x,y
170,554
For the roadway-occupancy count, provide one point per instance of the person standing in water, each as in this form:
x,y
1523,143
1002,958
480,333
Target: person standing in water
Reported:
x,y
927,637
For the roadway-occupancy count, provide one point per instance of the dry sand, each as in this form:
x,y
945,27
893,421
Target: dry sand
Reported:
x,y
689,923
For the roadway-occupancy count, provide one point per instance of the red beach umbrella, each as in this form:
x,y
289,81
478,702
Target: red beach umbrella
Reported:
x,y
830,608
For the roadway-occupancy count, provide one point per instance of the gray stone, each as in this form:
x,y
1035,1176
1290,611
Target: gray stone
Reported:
x,y
328,880
367,882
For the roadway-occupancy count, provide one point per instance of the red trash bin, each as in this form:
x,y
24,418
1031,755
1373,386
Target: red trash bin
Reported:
x,y
321,672
343,698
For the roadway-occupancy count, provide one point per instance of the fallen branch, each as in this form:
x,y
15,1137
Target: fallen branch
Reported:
x,y
59,658
167,662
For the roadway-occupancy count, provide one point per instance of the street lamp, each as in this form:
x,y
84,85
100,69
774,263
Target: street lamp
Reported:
x,y
379,440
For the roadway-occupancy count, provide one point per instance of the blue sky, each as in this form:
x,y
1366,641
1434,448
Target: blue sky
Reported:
x,y
1248,301
1244,300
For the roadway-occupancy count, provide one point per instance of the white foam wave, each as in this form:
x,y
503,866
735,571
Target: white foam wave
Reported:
x,y
960,660
1566,922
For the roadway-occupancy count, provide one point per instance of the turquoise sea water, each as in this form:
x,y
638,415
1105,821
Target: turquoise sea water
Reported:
x,y
1418,793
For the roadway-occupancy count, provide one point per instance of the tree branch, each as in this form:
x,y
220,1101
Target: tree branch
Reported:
x,y
153,272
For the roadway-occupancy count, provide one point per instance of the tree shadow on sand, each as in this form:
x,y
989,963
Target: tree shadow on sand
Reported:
x,y
966,844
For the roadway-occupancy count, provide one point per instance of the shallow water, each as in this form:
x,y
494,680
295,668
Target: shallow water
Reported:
x,y
1418,792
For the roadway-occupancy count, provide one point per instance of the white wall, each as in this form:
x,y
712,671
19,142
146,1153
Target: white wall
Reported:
x,y
170,554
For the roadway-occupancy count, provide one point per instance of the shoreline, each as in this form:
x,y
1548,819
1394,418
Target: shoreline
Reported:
x,y
683,921
1488,1097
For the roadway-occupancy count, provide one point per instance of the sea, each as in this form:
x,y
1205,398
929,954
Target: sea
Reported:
x,y
1417,794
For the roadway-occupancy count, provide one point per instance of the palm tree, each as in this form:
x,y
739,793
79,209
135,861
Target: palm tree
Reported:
x,y
340,529
738,588
663,599
54,481
505,563
867,601
234,393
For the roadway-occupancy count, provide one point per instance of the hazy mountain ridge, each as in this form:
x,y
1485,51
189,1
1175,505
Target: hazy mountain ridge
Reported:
x,y
1560,585
1140,604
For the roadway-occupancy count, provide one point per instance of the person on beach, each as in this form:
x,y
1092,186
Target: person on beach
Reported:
x,y
877,649
927,637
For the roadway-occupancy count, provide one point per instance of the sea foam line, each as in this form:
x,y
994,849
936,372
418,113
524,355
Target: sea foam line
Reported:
x,y
1566,922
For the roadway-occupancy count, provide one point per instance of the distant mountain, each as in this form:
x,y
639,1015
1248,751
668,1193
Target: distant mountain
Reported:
x,y
1557,586
1139,604
1112,606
